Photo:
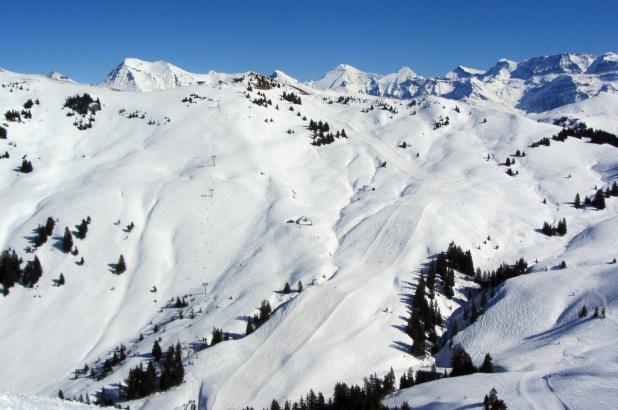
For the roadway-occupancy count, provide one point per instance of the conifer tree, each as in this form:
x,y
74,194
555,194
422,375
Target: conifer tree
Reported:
x,y
487,366
287,289
416,330
577,202
49,226
265,311
156,351
82,229
148,385
461,362
300,286
492,402
67,241
599,200
217,336
388,384
121,266
249,329
561,229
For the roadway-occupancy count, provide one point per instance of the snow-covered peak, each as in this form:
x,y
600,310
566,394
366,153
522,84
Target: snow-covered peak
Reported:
x,y
460,72
502,69
137,75
346,67
284,78
134,74
605,63
346,78
565,63
55,75
405,73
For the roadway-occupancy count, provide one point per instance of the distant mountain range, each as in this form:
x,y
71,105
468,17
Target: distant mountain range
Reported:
x,y
535,85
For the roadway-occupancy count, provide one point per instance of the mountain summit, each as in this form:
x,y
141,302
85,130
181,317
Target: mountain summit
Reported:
x,y
134,74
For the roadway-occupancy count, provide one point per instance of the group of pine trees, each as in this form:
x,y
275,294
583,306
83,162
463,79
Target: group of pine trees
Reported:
x,y
258,319
3,133
456,259
11,272
218,336
16,116
83,104
505,271
287,289
598,200
262,101
543,141
291,97
492,402
322,134
384,106
424,317
345,100
25,167
42,233
580,130
262,82
367,397
82,228
166,366
558,230
107,367
509,162
441,122
597,314
461,363
318,126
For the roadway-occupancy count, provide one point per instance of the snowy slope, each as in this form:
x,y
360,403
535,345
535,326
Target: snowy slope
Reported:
x,y
215,230
15,401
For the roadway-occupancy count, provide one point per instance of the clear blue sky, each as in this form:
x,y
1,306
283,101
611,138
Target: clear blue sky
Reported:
x,y
86,39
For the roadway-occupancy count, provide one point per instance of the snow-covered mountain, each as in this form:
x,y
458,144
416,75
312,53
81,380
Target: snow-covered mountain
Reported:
x,y
534,85
218,195
138,75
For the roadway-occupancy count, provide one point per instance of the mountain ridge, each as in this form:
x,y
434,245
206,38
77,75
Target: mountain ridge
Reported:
x,y
537,84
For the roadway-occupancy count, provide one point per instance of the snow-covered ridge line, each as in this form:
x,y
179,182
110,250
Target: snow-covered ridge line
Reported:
x,y
534,85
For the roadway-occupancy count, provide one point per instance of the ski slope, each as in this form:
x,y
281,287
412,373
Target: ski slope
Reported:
x,y
210,186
